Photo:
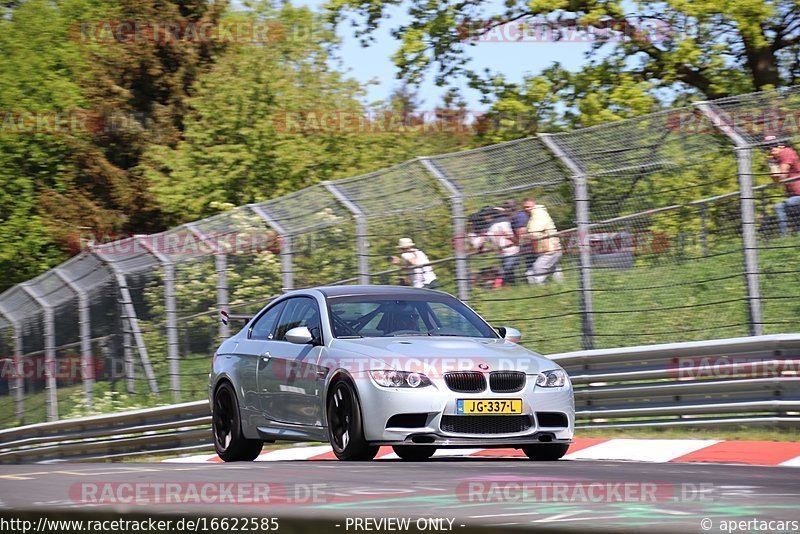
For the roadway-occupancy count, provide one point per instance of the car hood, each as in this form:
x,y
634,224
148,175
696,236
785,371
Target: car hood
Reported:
x,y
438,354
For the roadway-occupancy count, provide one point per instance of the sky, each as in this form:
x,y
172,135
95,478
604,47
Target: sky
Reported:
x,y
512,59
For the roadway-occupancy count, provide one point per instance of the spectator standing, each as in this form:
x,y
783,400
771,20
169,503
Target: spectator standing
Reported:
x,y
546,246
502,239
422,275
786,166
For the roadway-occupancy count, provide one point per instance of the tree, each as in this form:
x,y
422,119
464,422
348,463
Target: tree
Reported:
x,y
710,47
118,95
269,120
557,100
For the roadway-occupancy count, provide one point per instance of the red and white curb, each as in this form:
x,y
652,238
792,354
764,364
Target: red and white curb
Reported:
x,y
633,450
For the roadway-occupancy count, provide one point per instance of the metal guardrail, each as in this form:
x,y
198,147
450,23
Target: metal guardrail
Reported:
x,y
744,380
739,381
184,426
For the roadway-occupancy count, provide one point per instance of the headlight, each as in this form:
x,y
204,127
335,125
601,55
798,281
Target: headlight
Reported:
x,y
551,379
400,379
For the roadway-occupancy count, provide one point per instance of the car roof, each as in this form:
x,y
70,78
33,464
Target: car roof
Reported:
x,y
343,291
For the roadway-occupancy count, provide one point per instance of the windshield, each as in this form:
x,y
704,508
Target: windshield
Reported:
x,y
370,316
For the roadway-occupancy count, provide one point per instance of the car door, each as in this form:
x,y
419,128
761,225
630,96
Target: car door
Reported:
x,y
290,381
252,350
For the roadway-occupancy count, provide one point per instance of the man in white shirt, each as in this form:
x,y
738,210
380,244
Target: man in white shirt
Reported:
x,y
422,275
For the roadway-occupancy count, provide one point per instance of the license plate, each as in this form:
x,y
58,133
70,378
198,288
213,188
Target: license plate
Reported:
x,y
489,406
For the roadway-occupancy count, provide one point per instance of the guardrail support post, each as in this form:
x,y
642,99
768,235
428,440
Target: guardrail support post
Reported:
x,y
85,333
747,198
173,351
287,268
583,224
362,245
459,226
135,331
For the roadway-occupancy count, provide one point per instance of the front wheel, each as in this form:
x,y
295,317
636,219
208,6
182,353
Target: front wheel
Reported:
x,y
547,452
229,442
345,428
414,453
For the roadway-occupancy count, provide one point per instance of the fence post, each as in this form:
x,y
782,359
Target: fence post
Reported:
x,y
583,224
747,199
287,269
85,333
19,381
130,319
127,352
362,245
459,226
171,314
49,353
221,270
704,228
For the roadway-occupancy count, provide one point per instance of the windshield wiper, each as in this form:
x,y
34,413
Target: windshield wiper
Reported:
x,y
349,337
410,334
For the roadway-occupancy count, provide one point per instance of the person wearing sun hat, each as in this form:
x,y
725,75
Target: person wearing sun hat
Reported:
x,y
422,275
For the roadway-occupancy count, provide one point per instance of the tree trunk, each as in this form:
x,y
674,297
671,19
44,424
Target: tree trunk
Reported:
x,y
762,63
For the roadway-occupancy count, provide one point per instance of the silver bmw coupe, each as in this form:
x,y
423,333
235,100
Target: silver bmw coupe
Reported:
x,y
365,366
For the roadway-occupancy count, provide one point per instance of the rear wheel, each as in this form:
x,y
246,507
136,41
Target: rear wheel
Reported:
x,y
414,453
345,428
229,442
546,452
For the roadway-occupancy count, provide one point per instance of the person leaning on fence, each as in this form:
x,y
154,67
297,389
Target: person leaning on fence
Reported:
x,y
786,166
422,274
546,246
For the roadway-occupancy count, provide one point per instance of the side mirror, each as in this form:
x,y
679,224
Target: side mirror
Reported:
x,y
300,335
509,334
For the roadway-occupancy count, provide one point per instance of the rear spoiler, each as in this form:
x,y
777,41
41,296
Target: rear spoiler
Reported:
x,y
226,317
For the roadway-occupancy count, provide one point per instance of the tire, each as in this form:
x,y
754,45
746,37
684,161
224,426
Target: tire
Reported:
x,y
547,452
226,426
345,429
414,453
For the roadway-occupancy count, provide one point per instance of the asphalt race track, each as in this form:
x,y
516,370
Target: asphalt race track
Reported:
x,y
470,492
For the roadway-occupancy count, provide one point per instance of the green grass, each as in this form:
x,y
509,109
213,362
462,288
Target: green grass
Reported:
x,y
677,300
112,397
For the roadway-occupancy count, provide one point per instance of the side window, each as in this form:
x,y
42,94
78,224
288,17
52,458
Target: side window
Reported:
x,y
300,311
265,325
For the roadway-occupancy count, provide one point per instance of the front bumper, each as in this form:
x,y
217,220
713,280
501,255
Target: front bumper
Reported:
x,y
444,442
379,404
